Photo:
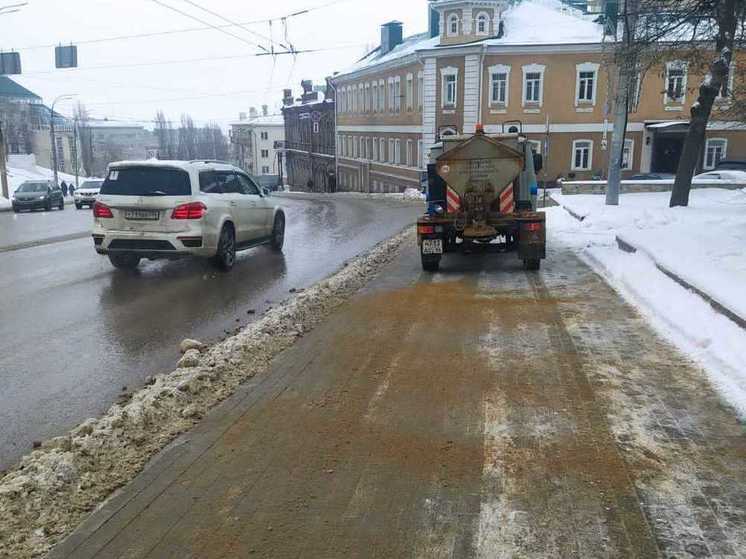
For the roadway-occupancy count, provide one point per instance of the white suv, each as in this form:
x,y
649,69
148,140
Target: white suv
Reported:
x,y
169,209
86,194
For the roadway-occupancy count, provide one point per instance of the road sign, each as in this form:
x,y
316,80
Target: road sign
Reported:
x,y
10,63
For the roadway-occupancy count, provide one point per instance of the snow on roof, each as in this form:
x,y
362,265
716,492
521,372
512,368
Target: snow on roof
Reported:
x,y
269,120
532,22
111,124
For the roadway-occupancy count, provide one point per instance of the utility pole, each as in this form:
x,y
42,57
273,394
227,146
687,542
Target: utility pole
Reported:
x,y
3,169
627,64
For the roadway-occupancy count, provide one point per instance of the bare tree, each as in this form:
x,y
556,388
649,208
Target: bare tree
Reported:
x,y
85,135
187,148
165,136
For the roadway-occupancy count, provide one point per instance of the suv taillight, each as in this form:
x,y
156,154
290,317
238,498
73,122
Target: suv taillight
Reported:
x,y
193,210
102,210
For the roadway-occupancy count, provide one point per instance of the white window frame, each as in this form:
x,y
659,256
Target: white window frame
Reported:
x,y
381,96
390,154
534,69
397,94
375,149
374,97
420,160
448,71
410,155
536,144
382,150
724,142
677,64
586,67
420,90
573,167
363,148
410,92
486,31
316,127
391,94
629,148
453,18
499,69
731,83
397,152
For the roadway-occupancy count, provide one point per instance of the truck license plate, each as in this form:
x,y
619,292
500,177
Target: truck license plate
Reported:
x,y
432,246
142,215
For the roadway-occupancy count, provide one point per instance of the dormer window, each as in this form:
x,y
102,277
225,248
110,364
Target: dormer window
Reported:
x,y
453,25
483,24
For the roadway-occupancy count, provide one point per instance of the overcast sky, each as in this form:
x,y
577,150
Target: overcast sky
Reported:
x,y
212,89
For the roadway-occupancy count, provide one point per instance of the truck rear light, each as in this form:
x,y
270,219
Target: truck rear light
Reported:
x,y
425,229
537,226
193,210
102,210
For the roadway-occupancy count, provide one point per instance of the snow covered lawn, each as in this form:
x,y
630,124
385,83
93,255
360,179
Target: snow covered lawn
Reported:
x,y
704,245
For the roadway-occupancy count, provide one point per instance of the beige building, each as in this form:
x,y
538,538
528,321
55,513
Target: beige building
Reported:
x,y
539,67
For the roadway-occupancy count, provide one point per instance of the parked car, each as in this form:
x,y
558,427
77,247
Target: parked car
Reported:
x,y
85,194
652,177
32,195
722,175
170,209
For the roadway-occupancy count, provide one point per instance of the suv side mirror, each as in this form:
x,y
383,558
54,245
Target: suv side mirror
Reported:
x,y
538,162
266,191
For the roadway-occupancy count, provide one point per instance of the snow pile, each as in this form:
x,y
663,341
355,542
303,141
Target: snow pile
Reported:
x,y
701,244
54,487
413,194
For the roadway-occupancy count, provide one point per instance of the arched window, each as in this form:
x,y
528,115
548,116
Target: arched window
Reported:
x,y
453,24
483,24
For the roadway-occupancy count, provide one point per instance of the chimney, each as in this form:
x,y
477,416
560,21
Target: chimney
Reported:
x,y
287,97
265,110
434,22
252,113
241,116
392,34
309,94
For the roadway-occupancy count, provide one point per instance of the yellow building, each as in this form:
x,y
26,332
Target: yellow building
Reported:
x,y
539,66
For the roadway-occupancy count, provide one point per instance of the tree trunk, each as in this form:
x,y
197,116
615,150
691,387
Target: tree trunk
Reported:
x,y
695,137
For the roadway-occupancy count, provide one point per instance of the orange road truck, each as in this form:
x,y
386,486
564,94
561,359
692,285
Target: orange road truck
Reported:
x,y
481,197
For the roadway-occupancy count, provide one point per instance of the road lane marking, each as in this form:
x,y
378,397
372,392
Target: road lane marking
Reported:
x,y
47,241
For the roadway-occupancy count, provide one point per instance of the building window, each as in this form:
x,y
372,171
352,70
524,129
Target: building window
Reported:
x,y
265,170
453,25
397,152
449,78
374,149
483,24
315,127
535,146
391,95
410,155
582,155
420,90
382,150
264,135
675,82
360,98
381,96
731,81
397,94
585,85
363,149
265,153
715,150
391,151
356,146
410,92
628,155
533,86
420,161
499,84
374,97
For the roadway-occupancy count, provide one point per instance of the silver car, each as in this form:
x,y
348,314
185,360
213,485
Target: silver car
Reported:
x,y
85,194
170,209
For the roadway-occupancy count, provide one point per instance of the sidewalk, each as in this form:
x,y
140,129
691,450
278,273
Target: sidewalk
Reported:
x,y
479,412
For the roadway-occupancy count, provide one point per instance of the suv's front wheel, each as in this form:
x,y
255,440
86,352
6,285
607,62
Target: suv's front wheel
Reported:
x,y
124,261
225,257
278,232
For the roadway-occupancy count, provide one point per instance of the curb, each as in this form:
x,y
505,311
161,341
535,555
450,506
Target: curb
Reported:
x,y
719,307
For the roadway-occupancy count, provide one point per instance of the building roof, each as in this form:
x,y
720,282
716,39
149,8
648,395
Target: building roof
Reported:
x,y
529,23
112,124
9,88
269,120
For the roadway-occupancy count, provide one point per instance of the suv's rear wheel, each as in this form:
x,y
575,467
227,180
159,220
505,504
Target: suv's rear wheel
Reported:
x,y
124,261
225,258
61,205
278,232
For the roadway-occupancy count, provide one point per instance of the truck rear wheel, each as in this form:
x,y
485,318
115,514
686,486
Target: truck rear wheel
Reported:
x,y
430,262
531,264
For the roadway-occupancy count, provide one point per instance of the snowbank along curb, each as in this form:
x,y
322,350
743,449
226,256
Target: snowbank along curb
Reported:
x,y
627,246
52,489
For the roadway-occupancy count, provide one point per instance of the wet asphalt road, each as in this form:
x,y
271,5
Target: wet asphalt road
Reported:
x,y
74,332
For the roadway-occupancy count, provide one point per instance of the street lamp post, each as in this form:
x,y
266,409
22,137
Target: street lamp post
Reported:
x,y
53,136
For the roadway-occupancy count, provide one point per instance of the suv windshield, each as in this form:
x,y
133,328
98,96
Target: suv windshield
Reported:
x,y
33,187
147,181
92,184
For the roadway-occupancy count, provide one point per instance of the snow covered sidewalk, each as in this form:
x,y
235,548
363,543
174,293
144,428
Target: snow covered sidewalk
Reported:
x,y
703,246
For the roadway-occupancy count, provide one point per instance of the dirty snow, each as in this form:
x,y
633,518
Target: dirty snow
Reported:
x,y
52,489
702,244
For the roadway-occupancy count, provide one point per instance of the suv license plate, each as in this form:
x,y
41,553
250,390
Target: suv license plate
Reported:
x,y
432,246
142,215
